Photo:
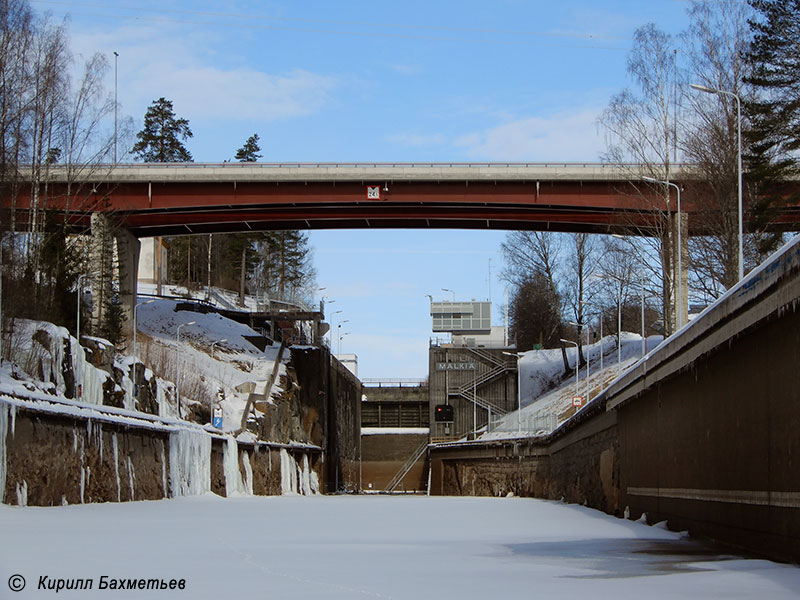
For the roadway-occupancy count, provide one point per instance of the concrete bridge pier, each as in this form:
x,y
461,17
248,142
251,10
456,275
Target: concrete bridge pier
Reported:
x,y
114,268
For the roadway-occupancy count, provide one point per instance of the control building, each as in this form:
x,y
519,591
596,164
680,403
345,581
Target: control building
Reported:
x,y
472,372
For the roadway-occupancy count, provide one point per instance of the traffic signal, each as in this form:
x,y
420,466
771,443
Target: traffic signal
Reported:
x,y
443,413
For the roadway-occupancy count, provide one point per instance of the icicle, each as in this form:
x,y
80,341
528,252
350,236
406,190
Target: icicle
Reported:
x,y
248,474
288,473
269,458
13,411
163,469
22,493
64,500
131,477
189,463
98,432
3,464
116,465
74,439
304,477
233,476
83,483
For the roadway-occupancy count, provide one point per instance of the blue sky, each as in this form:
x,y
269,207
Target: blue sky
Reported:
x,y
323,81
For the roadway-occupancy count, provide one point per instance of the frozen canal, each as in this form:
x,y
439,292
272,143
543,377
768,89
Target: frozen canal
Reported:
x,y
366,547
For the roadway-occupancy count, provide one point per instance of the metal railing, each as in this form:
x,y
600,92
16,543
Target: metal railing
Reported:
x,y
534,424
409,464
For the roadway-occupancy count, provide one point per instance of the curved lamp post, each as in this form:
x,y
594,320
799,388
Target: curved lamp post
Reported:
x,y
708,90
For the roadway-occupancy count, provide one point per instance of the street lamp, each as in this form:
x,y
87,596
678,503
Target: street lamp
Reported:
x,y
135,327
339,336
679,282
213,344
577,360
619,320
78,326
178,367
451,291
340,342
116,56
600,314
580,328
708,90
518,355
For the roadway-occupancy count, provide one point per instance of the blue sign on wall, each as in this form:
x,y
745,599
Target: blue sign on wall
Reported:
x,y
216,420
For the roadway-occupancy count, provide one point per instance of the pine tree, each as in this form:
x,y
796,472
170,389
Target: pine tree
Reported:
x,y
250,151
774,135
162,137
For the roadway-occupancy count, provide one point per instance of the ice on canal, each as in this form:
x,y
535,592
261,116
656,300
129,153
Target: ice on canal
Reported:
x,y
369,547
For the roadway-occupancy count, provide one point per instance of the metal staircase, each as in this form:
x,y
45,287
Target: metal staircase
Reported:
x,y
468,390
409,464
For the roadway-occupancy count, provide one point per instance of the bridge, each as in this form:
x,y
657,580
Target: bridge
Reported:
x,y
194,198
131,201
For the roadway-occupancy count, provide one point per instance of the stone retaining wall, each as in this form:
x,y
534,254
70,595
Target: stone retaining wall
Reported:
x,y
50,458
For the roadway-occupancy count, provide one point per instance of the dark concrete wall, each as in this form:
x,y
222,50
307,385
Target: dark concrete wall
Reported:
x,y
716,449
385,454
580,466
343,452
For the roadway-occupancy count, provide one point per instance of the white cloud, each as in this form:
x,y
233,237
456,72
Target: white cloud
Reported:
x,y
186,69
246,93
564,136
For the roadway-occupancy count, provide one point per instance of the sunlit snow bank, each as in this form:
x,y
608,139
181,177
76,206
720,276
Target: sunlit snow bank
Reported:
x,y
547,393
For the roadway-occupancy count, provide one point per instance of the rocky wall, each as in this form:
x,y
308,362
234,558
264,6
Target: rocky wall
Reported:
x,y
49,459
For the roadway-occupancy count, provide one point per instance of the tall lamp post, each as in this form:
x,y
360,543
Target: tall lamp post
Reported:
x,y
339,335
679,282
178,367
580,327
78,325
451,291
116,56
518,356
577,361
340,341
135,327
709,90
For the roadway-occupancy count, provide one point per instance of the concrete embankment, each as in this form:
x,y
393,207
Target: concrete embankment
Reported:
x,y
702,432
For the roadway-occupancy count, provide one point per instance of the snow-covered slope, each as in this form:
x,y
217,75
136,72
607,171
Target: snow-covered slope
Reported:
x,y
547,394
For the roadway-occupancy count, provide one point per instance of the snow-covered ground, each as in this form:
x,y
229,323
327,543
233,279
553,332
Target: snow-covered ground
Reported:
x,y
371,547
235,361
547,395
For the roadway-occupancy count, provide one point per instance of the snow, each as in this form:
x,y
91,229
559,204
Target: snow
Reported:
x,y
236,361
3,463
547,394
375,547
189,463
394,430
234,485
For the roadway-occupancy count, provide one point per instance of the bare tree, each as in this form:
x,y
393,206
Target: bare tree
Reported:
x,y
578,289
715,43
640,129
529,252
